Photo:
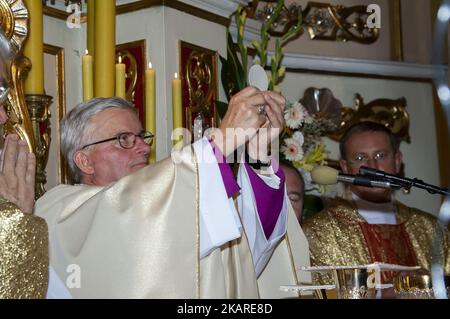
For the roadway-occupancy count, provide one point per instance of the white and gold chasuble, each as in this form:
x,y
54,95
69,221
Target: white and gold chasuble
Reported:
x,y
140,238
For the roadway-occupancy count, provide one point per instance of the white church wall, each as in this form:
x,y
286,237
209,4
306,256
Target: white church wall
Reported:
x,y
56,33
73,41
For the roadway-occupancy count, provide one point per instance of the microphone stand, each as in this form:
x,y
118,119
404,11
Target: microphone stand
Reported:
x,y
405,182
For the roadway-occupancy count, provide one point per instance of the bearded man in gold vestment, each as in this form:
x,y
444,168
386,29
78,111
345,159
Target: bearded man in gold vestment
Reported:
x,y
23,236
367,224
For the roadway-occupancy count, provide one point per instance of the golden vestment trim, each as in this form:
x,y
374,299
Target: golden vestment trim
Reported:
x,y
336,238
23,253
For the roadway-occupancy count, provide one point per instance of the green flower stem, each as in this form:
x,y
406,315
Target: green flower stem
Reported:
x,y
240,19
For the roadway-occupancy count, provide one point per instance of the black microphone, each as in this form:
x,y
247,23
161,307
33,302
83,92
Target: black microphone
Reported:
x,y
362,180
325,175
404,182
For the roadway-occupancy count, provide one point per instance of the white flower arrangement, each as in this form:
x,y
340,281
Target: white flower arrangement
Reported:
x,y
301,142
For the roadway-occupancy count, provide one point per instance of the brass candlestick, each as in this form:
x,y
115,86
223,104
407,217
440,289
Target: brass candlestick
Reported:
x,y
38,109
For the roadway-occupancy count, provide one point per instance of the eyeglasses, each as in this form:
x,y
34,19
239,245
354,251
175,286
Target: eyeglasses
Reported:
x,y
126,140
363,158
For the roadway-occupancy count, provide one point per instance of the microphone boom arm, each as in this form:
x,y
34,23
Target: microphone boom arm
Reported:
x,y
404,182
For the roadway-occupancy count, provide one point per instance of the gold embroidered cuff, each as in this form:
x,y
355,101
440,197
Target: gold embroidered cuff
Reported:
x,y
23,253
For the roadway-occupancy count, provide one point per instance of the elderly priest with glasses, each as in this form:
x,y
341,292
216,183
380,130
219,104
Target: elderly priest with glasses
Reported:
x,y
181,228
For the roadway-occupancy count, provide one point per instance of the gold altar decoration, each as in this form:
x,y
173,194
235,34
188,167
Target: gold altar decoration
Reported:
x,y
323,21
199,82
18,117
388,112
13,22
28,116
199,77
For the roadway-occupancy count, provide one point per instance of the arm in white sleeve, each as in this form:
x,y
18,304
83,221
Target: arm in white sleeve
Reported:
x,y
219,220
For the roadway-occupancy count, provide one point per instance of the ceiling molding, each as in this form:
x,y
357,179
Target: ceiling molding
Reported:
x,y
252,30
376,68
222,8
217,11
197,12
55,13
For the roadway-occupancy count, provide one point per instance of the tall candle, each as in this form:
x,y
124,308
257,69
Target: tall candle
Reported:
x,y
176,102
120,79
88,79
150,107
34,49
91,26
176,105
105,51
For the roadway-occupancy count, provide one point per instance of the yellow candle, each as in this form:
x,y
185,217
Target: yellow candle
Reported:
x,y
34,49
150,107
176,105
105,51
120,79
91,26
88,79
176,102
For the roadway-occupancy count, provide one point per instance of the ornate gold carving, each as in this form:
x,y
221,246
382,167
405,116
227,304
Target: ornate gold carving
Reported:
x,y
16,107
339,23
38,108
13,21
30,123
390,113
199,78
199,73
323,21
287,18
